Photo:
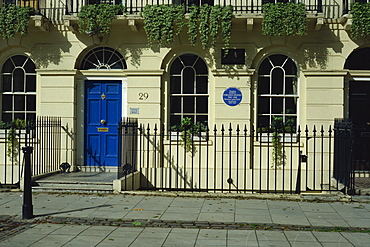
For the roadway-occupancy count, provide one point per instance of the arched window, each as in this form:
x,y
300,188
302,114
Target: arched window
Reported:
x,y
277,93
103,58
18,77
188,89
359,60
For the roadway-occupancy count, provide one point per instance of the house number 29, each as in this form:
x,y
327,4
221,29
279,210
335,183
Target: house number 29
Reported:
x,y
143,96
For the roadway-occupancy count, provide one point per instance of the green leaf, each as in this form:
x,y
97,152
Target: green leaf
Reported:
x,y
284,19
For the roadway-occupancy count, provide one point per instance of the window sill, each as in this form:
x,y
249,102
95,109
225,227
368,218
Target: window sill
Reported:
x,y
286,138
175,136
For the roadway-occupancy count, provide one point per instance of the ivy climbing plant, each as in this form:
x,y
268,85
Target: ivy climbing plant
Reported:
x,y
162,22
206,22
360,20
98,17
188,130
284,19
13,129
14,19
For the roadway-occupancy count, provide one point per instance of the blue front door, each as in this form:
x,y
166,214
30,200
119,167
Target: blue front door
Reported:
x,y
103,108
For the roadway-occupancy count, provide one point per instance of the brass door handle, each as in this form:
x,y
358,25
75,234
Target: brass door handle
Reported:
x,y
102,121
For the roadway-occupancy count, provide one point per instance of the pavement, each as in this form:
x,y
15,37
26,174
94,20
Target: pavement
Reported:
x,y
65,219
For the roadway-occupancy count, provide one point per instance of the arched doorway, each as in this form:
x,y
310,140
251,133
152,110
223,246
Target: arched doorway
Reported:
x,y
103,107
358,107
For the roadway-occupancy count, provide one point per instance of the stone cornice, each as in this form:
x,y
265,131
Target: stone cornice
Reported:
x,y
43,72
233,72
325,72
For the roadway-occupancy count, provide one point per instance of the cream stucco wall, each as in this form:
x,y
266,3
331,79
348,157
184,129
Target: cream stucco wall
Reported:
x,y
319,56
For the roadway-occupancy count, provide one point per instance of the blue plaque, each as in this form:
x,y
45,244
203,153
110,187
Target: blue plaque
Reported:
x,y
232,96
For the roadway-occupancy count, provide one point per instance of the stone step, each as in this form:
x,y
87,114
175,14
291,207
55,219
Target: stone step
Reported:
x,y
86,187
71,189
76,183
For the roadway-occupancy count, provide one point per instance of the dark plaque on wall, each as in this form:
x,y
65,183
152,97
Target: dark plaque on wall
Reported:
x,y
233,56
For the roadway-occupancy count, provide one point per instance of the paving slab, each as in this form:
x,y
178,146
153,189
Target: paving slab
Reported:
x,y
181,237
216,217
207,237
109,220
357,238
173,216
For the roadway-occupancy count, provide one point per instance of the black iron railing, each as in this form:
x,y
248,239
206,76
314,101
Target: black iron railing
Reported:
x,y
235,159
239,6
127,147
44,135
56,9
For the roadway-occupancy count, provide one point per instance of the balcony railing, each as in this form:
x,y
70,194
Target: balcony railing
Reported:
x,y
239,6
55,9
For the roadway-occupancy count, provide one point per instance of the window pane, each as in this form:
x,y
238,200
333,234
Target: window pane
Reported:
x,y
111,58
29,66
8,66
19,60
202,104
290,85
31,83
291,121
116,64
175,120
263,122
264,85
263,105
7,102
19,116
31,103
277,81
188,80
188,59
90,62
175,105
7,117
290,68
176,67
290,106
188,104
278,60
202,84
18,80
189,116
175,82
31,116
202,119
19,101
277,105
201,67
100,55
265,67
7,80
